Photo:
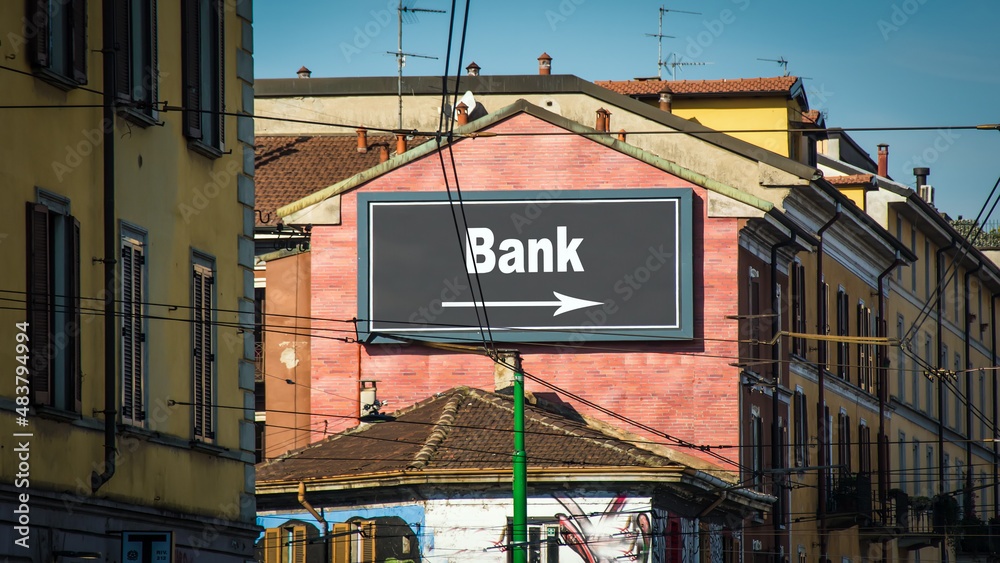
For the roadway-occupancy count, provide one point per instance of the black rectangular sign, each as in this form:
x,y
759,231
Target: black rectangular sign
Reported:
x,y
552,266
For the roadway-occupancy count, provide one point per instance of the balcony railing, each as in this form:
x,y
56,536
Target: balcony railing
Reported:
x,y
850,501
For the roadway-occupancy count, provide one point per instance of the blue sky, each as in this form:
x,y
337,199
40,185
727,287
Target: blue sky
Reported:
x,y
869,63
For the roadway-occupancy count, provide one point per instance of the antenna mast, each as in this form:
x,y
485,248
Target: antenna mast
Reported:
x,y
781,61
401,56
659,39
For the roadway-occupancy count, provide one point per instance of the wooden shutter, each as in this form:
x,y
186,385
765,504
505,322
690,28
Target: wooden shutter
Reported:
x,y
153,73
367,554
123,50
76,369
78,25
341,544
39,301
38,16
133,338
191,55
221,56
203,358
298,544
272,545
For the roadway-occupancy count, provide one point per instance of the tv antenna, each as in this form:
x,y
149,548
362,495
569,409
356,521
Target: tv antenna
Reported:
x,y
408,13
659,39
781,61
673,64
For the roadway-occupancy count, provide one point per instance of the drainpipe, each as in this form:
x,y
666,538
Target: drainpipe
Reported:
x,y
939,308
882,329
968,387
821,317
776,354
996,412
110,245
319,518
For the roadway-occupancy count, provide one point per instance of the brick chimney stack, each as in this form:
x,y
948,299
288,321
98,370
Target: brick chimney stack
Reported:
x,y
463,113
362,139
883,160
545,64
304,72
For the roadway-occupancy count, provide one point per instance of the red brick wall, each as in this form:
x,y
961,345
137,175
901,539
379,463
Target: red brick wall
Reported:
x,y
686,389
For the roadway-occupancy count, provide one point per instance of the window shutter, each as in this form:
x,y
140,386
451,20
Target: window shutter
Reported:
x,y
39,301
272,545
154,72
341,543
76,369
222,75
203,361
38,15
367,542
132,336
191,80
123,50
78,19
298,544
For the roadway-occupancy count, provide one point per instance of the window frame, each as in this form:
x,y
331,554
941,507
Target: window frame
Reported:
x,y
56,378
43,16
132,76
133,243
203,330
205,130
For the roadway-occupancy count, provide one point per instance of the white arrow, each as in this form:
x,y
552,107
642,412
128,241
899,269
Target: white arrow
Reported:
x,y
565,303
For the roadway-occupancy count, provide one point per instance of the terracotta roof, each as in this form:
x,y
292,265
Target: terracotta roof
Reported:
x,y
851,180
290,167
465,428
775,85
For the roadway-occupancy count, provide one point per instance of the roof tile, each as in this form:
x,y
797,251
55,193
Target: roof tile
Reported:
x,y
774,85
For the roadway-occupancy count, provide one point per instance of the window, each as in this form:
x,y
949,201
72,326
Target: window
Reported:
x,y
843,348
866,370
864,448
917,475
801,429
929,478
927,269
913,266
823,316
956,293
543,542
942,367
917,371
928,357
136,74
204,74
798,309
946,466
756,442
134,313
960,477
53,302
982,406
983,504
902,463
899,237
58,48
962,392
828,448
901,359
203,340
844,441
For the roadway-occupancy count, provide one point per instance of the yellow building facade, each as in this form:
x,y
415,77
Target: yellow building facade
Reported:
x,y
127,179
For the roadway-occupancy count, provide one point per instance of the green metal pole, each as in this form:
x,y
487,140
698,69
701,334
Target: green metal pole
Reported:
x,y
520,528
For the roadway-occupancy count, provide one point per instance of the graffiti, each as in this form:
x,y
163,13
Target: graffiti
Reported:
x,y
615,536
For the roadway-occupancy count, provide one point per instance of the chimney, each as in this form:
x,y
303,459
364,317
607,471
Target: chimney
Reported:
x,y
362,139
400,143
545,64
603,116
304,72
883,160
621,135
503,375
463,113
921,175
666,99
383,152
472,69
